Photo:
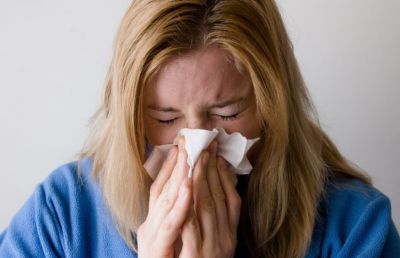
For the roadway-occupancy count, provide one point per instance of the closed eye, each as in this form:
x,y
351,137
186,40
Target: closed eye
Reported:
x,y
224,118
167,122
228,118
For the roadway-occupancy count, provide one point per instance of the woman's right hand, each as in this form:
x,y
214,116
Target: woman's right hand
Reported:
x,y
169,204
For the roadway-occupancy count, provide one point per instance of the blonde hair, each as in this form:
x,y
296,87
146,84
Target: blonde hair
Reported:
x,y
296,158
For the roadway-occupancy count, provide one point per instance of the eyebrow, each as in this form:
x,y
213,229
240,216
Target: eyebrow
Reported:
x,y
217,105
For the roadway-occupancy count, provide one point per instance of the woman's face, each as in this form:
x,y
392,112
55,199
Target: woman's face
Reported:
x,y
199,90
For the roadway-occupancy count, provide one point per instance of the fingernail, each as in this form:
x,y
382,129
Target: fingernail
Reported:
x,y
181,151
181,142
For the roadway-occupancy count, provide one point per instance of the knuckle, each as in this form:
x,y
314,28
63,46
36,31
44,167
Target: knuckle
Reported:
x,y
167,203
219,196
167,225
228,247
231,247
219,252
212,250
193,222
207,203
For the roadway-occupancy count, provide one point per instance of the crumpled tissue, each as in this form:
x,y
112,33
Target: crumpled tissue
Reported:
x,y
232,147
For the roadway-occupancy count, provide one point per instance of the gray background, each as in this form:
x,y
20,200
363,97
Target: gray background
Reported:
x,y
54,55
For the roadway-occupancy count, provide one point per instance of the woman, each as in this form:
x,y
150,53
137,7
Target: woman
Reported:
x,y
205,64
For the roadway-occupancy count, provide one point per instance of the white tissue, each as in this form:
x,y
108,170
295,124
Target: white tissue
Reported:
x,y
232,147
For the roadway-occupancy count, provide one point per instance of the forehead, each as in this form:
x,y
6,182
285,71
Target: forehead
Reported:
x,y
199,77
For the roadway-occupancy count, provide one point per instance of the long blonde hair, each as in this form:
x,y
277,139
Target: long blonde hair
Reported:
x,y
296,157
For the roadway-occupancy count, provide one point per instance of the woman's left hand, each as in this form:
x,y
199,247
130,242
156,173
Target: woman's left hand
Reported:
x,y
210,228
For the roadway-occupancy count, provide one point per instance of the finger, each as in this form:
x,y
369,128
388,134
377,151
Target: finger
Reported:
x,y
180,171
217,192
171,187
163,176
204,203
191,235
169,194
172,223
233,200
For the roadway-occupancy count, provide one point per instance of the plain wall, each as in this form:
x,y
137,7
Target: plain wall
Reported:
x,y
54,56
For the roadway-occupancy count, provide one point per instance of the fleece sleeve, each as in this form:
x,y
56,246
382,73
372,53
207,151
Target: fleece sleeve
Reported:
x,y
34,231
372,234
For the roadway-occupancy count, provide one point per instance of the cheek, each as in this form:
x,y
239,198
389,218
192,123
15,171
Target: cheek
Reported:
x,y
247,125
158,134
252,126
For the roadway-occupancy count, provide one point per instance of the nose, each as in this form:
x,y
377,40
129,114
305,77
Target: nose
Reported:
x,y
199,123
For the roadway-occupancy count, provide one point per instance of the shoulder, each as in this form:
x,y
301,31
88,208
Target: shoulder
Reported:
x,y
355,220
65,216
67,176
346,199
72,185
72,177
70,190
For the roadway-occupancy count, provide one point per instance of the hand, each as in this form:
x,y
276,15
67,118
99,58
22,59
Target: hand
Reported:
x,y
169,204
210,229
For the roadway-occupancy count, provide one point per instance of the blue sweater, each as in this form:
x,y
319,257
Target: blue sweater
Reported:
x,y
66,217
